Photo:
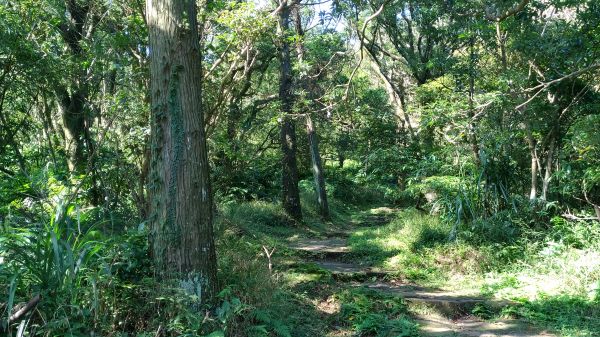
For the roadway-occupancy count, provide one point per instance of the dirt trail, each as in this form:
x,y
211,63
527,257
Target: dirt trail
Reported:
x,y
440,313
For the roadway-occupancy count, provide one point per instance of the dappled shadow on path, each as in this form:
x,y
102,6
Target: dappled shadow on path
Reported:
x,y
470,327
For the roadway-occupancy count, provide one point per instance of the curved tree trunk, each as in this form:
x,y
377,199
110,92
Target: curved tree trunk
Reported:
x,y
179,186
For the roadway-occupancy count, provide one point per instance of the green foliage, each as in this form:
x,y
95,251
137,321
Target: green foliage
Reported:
x,y
569,315
408,244
74,268
444,112
372,314
348,186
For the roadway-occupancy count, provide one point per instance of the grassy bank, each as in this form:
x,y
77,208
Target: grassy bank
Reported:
x,y
553,282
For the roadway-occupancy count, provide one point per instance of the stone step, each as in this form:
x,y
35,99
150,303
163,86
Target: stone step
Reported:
x,y
349,270
433,326
446,303
333,247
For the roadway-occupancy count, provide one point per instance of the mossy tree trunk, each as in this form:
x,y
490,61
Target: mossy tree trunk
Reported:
x,y
317,168
180,211
311,131
289,174
72,98
73,117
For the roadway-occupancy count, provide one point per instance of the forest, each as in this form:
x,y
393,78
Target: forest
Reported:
x,y
300,168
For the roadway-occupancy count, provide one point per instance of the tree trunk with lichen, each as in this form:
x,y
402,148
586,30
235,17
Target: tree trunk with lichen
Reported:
x,y
71,108
180,211
289,174
317,168
311,131
72,98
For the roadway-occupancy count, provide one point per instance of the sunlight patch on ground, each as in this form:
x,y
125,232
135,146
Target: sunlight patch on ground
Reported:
x,y
330,306
293,279
572,272
382,210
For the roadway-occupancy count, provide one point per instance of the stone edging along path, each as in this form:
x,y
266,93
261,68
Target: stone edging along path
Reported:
x,y
450,311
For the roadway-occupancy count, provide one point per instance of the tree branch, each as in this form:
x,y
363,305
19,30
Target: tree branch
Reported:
x,y
501,17
362,38
544,85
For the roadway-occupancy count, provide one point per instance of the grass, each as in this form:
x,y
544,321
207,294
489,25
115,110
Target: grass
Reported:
x,y
296,298
556,284
302,299
409,245
569,315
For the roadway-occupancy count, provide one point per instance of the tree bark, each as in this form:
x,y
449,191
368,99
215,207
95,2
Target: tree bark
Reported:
x,y
72,100
289,174
234,114
472,133
317,168
71,108
46,118
548,168
534,161
313,142
396,94
501,40
179,187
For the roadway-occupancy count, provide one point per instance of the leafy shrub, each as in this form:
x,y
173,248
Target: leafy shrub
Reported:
x,y
373,314
90,283
252,215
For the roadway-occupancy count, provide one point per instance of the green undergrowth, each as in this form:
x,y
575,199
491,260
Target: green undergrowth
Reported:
x,y
372,314
267,220
345,309
97,277
284,300
407,243
568,315
551,271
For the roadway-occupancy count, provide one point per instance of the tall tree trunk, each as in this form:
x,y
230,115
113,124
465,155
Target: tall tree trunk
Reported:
x,y
341,159
317,168
534,161
534,174
396,95
501,40
180,192
548,168
289,174
71,107
140,194
234,114
47,127
313,142
72,98
471,112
